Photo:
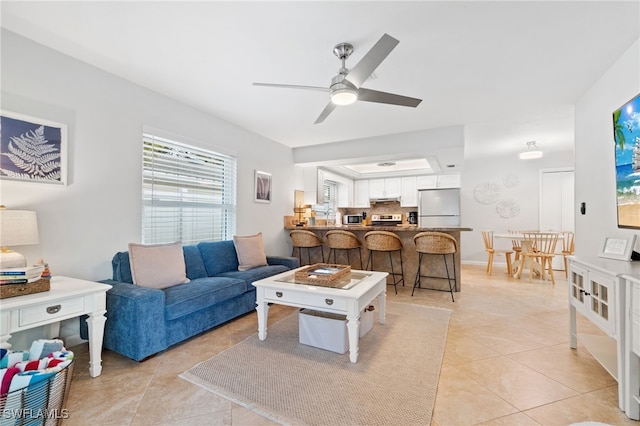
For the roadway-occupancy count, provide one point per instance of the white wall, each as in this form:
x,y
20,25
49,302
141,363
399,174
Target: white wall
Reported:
x,y
595,162
516,181
84,223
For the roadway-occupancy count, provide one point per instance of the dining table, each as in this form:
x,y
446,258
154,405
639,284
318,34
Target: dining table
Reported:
x,y
526,245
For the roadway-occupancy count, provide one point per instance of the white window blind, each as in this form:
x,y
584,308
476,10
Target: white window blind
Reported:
x,y
188,193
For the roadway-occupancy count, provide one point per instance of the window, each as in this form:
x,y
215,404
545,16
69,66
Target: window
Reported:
x,y
188,193
329,198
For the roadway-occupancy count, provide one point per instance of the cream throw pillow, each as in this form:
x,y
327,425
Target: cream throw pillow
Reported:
x,y
250,251
158,265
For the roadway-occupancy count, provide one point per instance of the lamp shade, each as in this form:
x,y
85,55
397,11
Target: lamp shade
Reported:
x,y
18,228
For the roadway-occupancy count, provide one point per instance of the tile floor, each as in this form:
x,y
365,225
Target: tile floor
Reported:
x,y
507,362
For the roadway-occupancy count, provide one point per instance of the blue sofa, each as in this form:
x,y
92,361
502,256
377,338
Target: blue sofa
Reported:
x,y
143,321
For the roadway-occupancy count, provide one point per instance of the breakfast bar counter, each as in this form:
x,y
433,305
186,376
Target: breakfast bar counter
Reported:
x,y
432,265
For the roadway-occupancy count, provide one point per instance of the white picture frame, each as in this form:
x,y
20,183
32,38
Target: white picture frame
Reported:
x,y
618,248
262,187
32,149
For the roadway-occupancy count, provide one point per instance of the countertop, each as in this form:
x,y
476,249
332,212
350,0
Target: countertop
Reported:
x,y
397,228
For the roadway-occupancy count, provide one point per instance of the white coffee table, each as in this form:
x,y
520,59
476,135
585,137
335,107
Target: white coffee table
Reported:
x,y
363,288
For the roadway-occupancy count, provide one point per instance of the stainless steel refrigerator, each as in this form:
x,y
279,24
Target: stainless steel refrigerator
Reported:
x,y
439,207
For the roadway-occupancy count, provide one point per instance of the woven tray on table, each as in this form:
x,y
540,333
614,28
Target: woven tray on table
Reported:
x,y
324,274
13,290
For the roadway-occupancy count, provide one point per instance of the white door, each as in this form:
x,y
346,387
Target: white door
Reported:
x,y
557,205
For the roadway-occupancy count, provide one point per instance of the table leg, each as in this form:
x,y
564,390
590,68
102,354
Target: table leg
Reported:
x,y
263,313
96,322
382,298
353,328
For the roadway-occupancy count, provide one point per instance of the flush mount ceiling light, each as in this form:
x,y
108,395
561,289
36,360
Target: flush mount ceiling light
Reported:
x,y
532,152
387,164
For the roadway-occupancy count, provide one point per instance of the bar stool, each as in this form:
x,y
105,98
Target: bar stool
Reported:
x,y
343,240
305,239
430,243
389,242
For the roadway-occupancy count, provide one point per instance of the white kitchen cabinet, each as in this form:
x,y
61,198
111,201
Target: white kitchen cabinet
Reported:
x,y
361,194
409,195
452,180
427,182
313,180
385,188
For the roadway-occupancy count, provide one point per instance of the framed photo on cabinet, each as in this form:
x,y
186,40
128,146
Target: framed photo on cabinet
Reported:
x,y
619,248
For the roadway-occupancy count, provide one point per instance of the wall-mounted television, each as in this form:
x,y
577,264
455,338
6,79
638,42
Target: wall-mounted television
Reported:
x,y
626,134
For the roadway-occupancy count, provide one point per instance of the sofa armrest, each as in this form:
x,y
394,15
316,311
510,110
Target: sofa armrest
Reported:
x,y
135,324
289,262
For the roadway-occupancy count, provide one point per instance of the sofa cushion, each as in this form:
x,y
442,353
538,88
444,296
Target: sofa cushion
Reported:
x,y
218,256
256,273
250,251
193,262
157,265
200,293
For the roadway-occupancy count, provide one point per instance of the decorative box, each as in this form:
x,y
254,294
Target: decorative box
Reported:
x,y
13,290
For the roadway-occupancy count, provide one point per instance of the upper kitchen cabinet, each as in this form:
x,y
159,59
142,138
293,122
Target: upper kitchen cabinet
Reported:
x,y
452,180
385,188
409,196
313,179
361,193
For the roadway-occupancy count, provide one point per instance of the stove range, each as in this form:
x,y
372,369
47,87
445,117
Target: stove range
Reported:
x,y
386,219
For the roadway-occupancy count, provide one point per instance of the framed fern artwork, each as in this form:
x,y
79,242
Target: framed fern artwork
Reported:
x,y
32,149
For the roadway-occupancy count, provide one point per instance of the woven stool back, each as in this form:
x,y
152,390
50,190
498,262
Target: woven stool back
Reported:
x,y
435,243
382,241
342,240
300,238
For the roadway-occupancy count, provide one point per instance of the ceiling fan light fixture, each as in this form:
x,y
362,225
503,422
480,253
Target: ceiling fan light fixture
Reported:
x,y
345,96
532,152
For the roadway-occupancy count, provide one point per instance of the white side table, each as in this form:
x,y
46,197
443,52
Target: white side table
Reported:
x,y
68,298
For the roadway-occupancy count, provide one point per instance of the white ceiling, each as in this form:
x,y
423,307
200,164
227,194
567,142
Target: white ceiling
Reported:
x,y
510,70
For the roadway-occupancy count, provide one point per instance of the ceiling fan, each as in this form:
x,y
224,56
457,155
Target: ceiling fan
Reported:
x,y
346,87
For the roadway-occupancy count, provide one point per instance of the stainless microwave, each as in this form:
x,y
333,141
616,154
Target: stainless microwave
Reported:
x,y
352,219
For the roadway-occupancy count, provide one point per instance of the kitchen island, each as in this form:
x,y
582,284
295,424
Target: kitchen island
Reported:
x,y
431,265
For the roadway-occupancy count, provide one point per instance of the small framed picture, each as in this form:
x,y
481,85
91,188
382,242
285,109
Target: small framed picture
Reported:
x,y
32,149
619,248
263,187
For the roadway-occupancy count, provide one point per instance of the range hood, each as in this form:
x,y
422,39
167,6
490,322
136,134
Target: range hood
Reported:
x,y
383,200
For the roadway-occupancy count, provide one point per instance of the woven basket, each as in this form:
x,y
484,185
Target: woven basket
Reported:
x,y
435,243
382,241
306,275
13,290
301,238
342,240
39,404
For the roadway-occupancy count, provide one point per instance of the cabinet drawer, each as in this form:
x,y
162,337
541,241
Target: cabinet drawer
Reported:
x,y
51,310
305,298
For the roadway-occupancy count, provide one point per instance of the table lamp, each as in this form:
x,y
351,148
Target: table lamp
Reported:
x,y
17,228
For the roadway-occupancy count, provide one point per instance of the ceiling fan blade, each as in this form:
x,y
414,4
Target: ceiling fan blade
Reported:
x,y
368,95
325,112
371,60
293,86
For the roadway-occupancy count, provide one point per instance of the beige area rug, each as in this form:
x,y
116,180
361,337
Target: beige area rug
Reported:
x,y
394,381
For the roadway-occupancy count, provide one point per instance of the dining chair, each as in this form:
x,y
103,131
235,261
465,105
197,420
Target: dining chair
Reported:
x,y
487,237
568,247
538,251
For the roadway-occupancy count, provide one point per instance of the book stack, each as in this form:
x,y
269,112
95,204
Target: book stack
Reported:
x,y
22,275
21,281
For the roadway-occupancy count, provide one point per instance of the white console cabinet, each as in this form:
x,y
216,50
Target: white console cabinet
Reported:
x,y
598,290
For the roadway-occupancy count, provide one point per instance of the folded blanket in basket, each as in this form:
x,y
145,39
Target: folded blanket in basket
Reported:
x,y
24,386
